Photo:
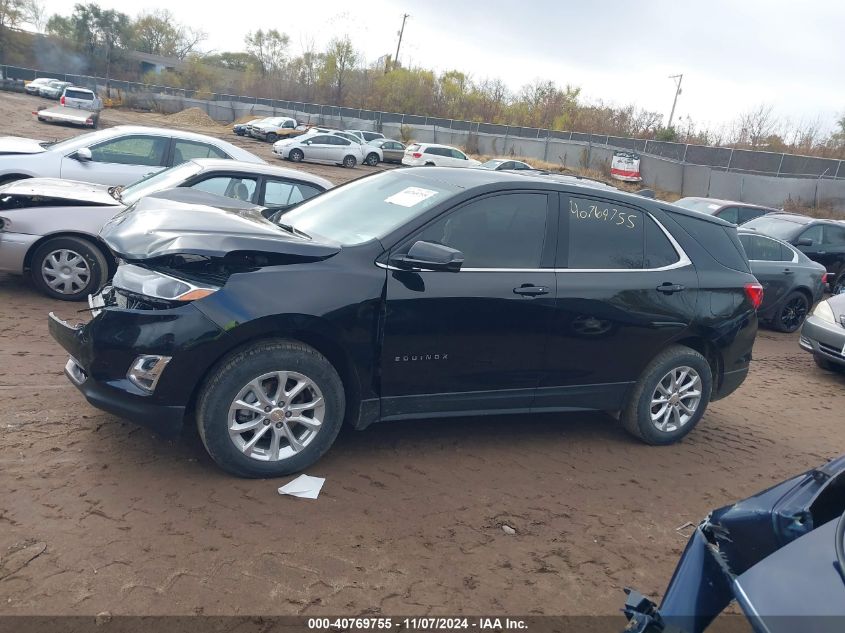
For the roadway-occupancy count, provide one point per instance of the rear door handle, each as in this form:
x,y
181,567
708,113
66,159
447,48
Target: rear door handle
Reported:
x,y
668,289
788,271
528,290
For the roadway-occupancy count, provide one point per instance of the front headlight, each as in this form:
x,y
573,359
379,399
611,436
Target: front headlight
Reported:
x,y
824,312
151,283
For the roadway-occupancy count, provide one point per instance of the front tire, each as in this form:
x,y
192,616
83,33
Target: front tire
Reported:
x,y
271,409
792,312
296,155
349,161
272,137
68,268
669,398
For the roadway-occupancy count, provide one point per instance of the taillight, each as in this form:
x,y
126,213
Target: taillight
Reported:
x,y
824,278
754,292
62,100
417,155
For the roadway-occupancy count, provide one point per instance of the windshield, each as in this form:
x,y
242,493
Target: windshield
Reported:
x,y
697,204
74,142
159,181
776,227
368,208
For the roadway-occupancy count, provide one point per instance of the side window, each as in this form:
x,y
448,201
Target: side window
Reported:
x,y
504,231
729,214
457,154
320,140
604,236
659,251
433,150
132,150
229,186
834,235
763,249
188,150
814,233
288,125
278,193
746,214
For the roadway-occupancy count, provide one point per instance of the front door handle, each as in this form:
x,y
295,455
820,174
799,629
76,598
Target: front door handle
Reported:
x,y
788,271
668,289
529,290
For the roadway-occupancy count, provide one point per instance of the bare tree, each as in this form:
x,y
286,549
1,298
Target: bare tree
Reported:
x,y
338,62
755,126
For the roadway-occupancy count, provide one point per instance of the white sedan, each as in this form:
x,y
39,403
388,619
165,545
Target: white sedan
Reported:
x,y
115,156
432,154
321,148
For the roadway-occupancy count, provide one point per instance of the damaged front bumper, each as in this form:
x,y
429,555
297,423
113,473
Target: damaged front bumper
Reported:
x,y
774,553
104,352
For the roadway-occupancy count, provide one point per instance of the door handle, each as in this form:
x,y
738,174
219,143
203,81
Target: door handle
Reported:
x,y
529,290
788,271
668,289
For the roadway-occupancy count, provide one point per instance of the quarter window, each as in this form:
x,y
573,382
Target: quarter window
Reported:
x,y
132,150
280,194
659,251
760,248
604,236
834,235
729,214
504,231
188,150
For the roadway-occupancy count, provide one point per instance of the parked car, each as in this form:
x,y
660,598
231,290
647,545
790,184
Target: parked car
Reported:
x,y
116,156
504,164
409,294
392,151
81,98
241,129
823,241
370,155
32,87
54,89
49,228
792,282
823,334
778,554
365,136
274,128
729,210
320,148
432,155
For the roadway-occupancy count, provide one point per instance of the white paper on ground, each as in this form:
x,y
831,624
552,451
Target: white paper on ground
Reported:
x,y
304,486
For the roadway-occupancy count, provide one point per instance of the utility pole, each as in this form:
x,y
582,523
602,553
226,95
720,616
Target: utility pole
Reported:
x,y
399,43
678,79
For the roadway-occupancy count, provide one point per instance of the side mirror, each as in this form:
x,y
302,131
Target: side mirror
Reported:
x,y
430,256
83,154
306,142
804,241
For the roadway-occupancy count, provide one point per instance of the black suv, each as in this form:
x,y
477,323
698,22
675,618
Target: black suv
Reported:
x,y
414,293
823,241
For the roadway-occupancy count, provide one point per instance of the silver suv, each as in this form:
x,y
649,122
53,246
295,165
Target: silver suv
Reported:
x,y
81,98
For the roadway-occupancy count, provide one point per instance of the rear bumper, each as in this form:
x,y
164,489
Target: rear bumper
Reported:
x,y
13,250
731,380
823,339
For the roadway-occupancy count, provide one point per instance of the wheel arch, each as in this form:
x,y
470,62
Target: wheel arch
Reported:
x,y
5,179
310,330
711,354
88,237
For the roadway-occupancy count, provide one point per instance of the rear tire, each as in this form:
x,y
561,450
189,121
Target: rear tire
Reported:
x,y
68,268
645,413
792,312
234,380
371,160
296,155
349,161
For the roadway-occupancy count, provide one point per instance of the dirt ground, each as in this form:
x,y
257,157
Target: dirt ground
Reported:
x,y
98,515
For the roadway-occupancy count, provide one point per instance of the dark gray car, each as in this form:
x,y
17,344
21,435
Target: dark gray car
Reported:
x,y
729,210
791,281
823,334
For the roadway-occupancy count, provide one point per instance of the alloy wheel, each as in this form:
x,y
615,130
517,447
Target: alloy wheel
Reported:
x,y
675,399
276,416
794,313
65,271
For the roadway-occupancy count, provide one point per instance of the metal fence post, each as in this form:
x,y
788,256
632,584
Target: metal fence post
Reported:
x,y
730,160
780,165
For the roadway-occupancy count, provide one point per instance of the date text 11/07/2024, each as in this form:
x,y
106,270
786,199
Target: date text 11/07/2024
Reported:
x,y
417,624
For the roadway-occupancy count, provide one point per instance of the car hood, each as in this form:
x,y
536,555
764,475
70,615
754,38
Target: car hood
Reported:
x,y
57,189
837,304
184,222
19,145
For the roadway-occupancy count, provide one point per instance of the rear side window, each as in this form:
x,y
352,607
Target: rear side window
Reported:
x,y
730,214
834,235
280,194
720,241
761,248
604,236
746,214
79,94
659,251
188,150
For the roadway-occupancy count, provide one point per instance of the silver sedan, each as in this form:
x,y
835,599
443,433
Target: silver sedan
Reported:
x,y
49,228
823,333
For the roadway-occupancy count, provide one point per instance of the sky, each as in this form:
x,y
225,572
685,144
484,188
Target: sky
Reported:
x,y
734,54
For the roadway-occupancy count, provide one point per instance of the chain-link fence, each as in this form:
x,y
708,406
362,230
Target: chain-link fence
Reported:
x,y
719,158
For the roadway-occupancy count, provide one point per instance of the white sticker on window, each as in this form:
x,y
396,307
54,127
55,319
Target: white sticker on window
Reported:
x,y
713,206
410,196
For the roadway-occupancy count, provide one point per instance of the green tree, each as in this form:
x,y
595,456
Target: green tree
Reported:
x,y
270,48
666,134
157,32
233,61
12,13
338,62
